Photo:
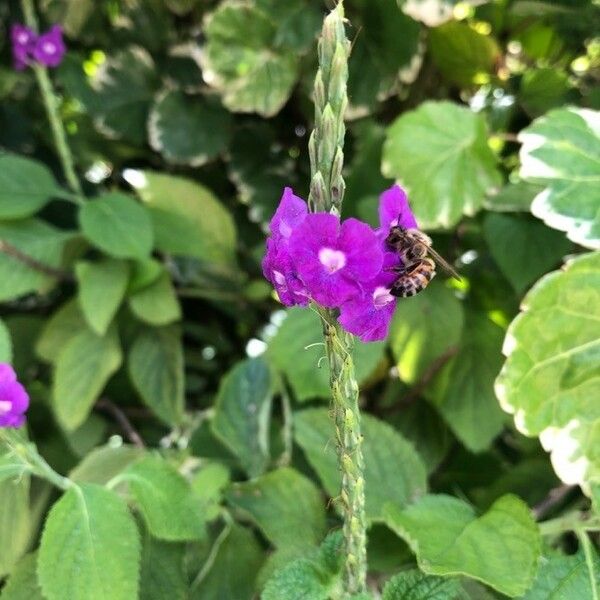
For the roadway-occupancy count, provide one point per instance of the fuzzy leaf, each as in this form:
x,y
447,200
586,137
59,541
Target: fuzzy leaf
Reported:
x,y
449,539
118,225
90,547
393,469
289,353
102,287
157,303
414,585
551,378
439,153
155,365
23,581
162,570
286,506
25,186
243,413
562,151
82,369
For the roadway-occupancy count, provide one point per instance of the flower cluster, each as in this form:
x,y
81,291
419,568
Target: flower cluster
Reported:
x,y
338,264
46,49
14,400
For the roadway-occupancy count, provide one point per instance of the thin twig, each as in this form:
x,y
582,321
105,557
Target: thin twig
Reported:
x,y
434,368
132,435
12,251
554,498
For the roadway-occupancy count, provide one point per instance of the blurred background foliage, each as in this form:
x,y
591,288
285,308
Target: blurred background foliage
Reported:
x,y
186,119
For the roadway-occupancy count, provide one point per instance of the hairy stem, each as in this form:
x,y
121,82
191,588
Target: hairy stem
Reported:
x,y
51,104
326,195
30,459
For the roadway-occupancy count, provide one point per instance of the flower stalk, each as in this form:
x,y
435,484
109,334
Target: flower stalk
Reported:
x,y
326,195
52,111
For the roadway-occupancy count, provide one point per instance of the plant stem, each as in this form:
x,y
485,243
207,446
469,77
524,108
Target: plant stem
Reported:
x,y
51,104
346,416
588,551
326,195
31,460
574,521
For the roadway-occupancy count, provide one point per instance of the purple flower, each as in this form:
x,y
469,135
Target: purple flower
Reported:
x,y
277,265
23,42
14,400
369,313
50,48
395,210
333,260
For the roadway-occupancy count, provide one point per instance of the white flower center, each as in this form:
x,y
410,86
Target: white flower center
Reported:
x,y
381,297
49,47
23,38
279,278
332,260
5,407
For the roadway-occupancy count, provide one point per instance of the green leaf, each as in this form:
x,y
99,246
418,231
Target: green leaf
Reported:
x,y
424,328
170,509
524,249
289,352
124,86
315,577
208,485
36,240
83,367
544,89
23,582
463,56
58,330
439,153
513,197
157,303
25,186
244,61
5,344
188,130
463,391
243,413
15,521
286,506
562,151
155,366
388,42
89,528
563,578
551,377
234,571
501,548
162,570
102,287
104,463
188,219
118,225
393,470
414,585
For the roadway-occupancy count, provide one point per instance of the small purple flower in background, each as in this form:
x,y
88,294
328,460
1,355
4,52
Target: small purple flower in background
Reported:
x,y
14,400
341,265
332,259
23,42
46,49
50,48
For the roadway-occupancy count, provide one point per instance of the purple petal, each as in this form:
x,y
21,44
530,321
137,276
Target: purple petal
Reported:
x,y
50,48
7,374
368,315
289,214
14,400
279,269
362,248
394,209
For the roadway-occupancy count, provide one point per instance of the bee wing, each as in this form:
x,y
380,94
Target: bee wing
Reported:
x,y
440,261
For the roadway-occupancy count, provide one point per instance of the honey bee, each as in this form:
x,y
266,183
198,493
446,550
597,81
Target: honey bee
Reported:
x,y
417,269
